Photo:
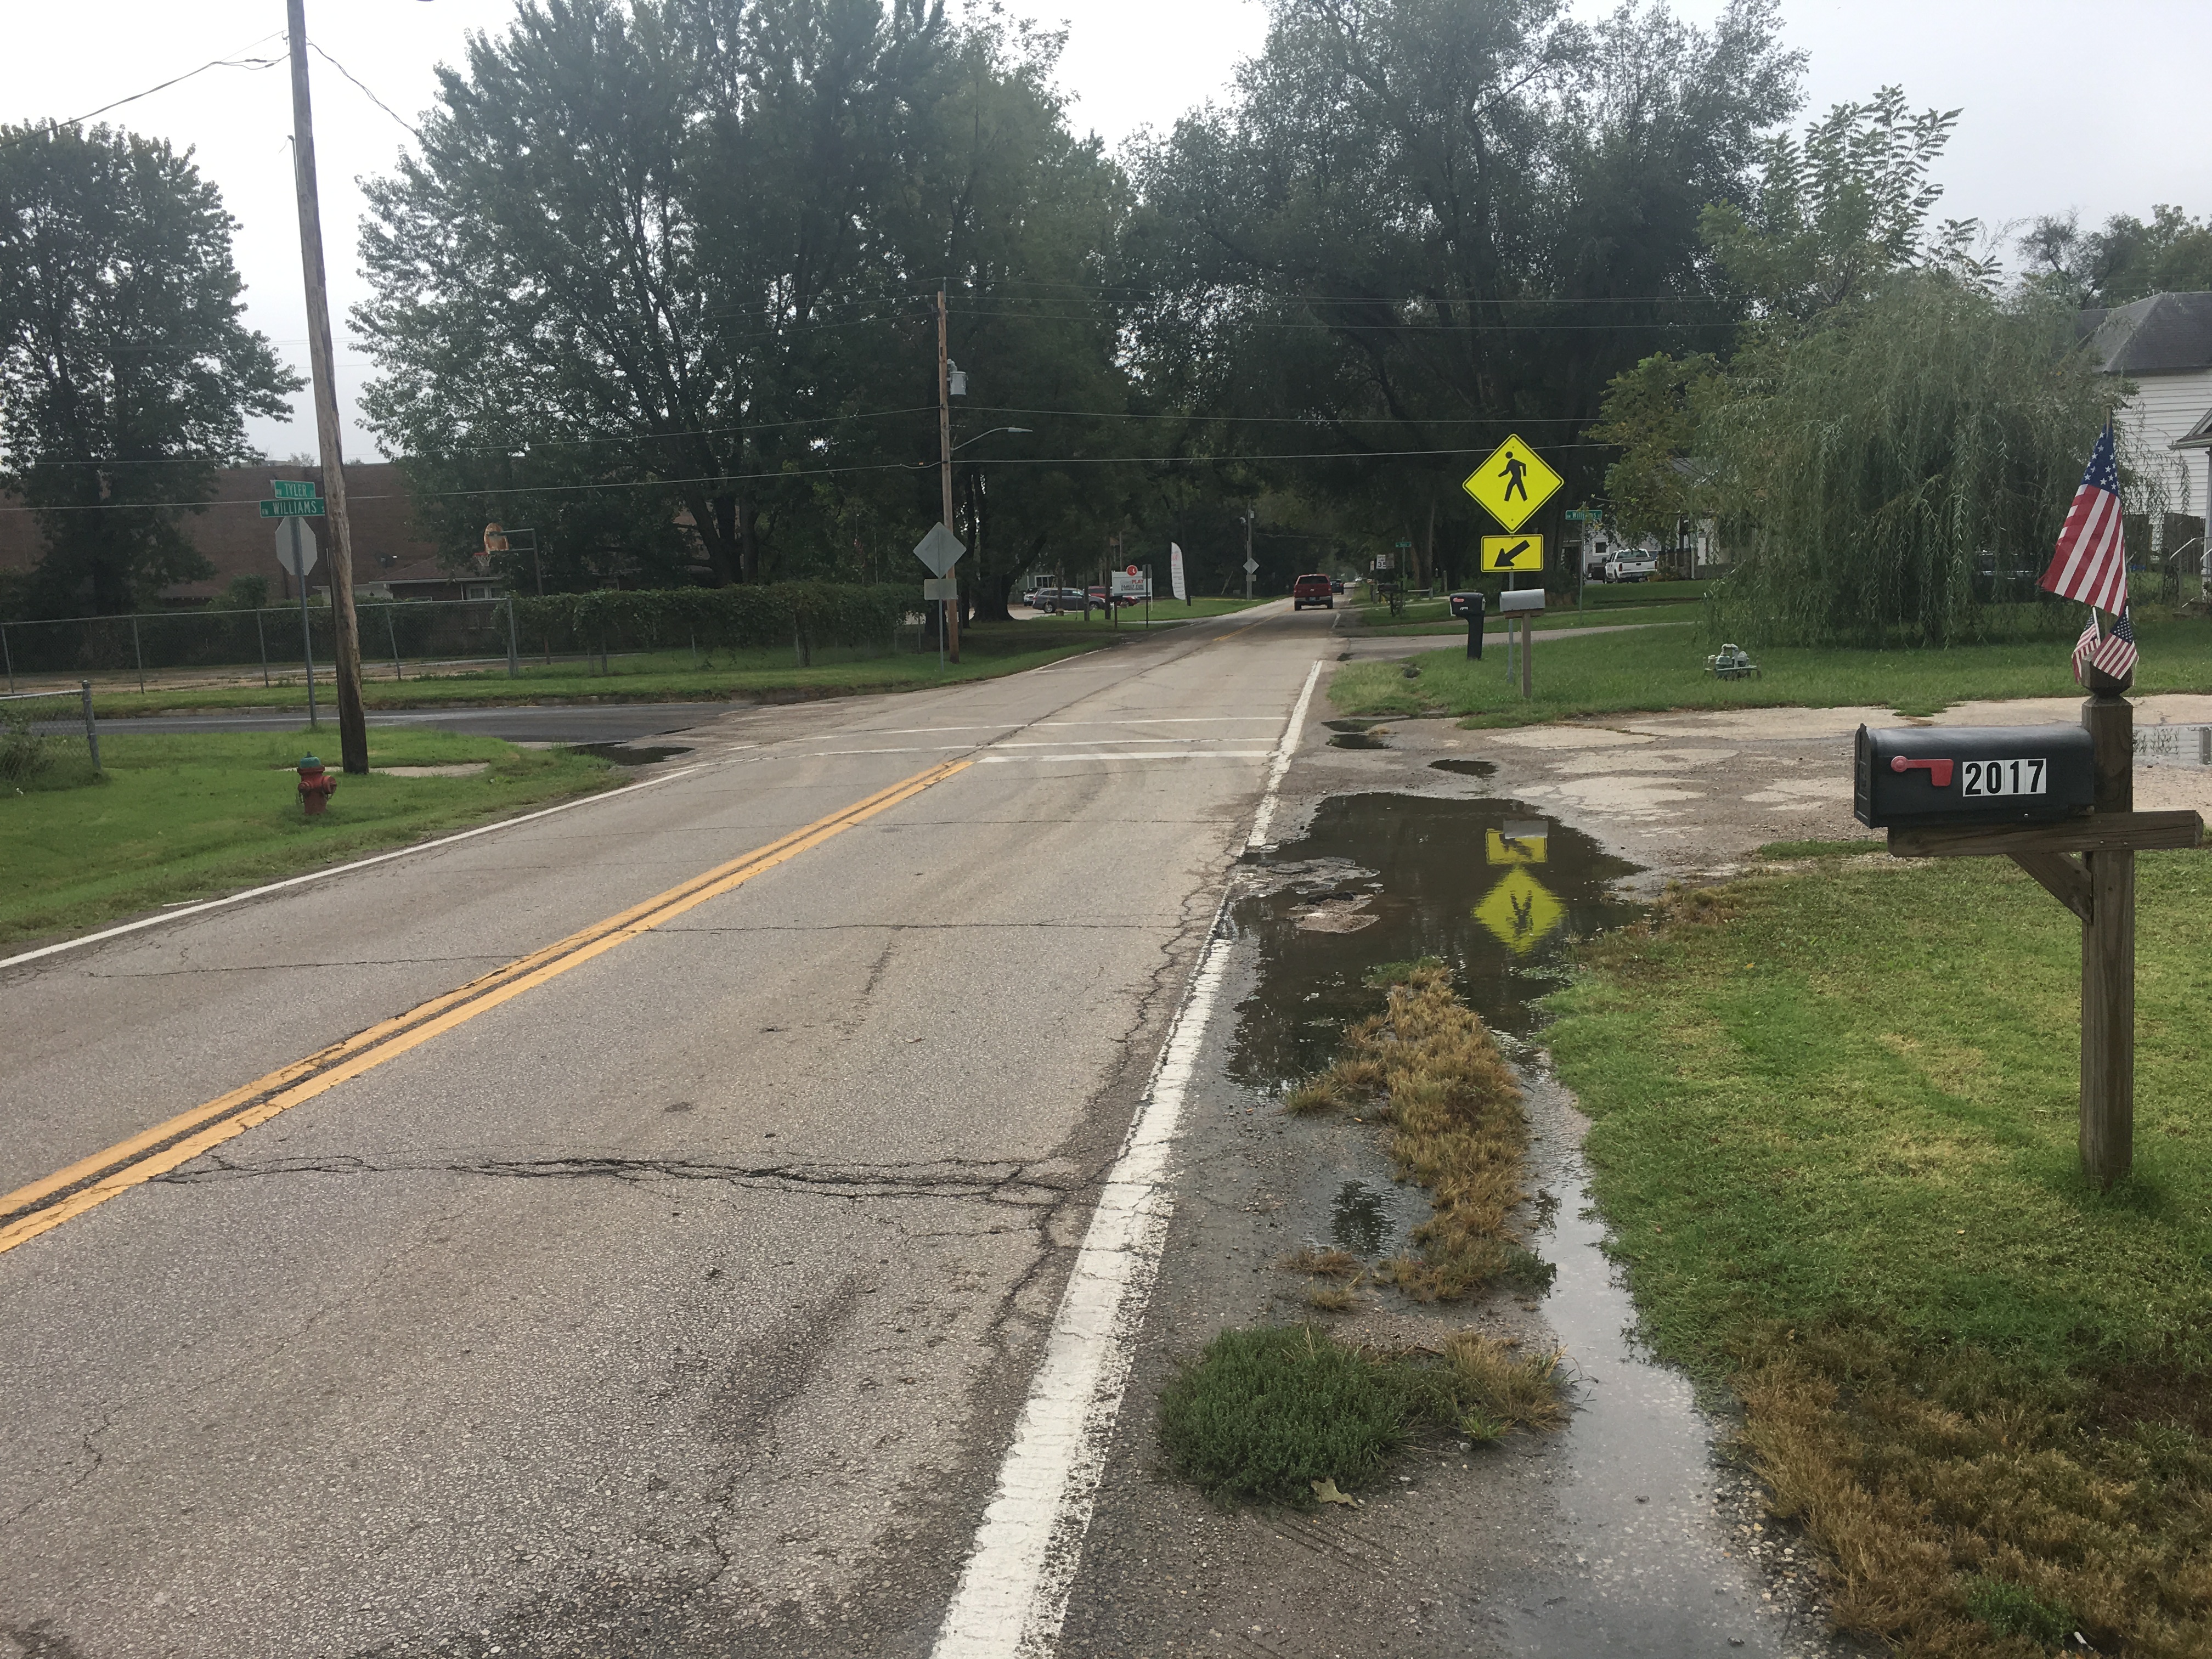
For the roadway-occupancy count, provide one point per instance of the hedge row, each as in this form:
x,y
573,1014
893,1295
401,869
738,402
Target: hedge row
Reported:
x,y
820,613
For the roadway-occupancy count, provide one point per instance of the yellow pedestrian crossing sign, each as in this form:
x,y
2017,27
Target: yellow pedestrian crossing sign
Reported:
x,y
1521,910
1522,553
1512,483
1518,843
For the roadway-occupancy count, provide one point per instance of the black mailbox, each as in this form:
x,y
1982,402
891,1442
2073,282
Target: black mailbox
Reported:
x,y
1918,775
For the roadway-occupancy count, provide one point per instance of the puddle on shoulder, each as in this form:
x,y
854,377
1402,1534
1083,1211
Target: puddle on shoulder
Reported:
x,y
1466,768
626,754
1491,886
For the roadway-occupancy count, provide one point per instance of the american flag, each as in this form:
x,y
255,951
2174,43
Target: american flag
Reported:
x,y
2085,649
2091,565
2117,655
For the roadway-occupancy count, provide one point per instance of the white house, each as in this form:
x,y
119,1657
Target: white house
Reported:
x,y
2164,344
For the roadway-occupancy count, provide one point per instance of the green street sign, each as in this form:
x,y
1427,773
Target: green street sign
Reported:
x,y
293,490
292,509
1584,515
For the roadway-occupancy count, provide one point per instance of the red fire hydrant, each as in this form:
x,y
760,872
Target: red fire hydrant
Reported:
x,y
316,787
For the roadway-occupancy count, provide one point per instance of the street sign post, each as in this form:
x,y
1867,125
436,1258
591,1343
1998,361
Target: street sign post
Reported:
x,y
296,552
941,550
1512,483
1514,553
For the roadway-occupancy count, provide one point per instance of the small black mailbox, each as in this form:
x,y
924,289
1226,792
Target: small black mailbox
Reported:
x,y
1919,774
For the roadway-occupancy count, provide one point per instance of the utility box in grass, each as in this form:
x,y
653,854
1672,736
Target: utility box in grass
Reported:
x,y
1923,775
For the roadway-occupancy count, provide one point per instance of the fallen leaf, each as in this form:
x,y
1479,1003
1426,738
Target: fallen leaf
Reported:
x,y
1325,1492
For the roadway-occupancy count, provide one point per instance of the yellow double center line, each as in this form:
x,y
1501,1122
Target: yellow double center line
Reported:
x,y
44,1205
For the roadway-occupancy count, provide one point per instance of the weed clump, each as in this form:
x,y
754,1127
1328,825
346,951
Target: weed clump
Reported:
x,y
1263,1414
1456,1128
1271,1415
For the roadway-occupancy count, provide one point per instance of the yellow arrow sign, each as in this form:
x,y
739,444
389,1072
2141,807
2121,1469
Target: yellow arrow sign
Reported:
x,y
1512,552
1521,910
1517,843
1512,483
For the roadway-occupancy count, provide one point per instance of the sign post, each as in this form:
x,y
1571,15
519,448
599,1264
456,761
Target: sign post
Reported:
x,y
2017,793
941,550
296,551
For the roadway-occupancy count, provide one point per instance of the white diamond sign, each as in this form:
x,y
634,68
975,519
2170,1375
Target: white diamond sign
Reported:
x,y
940,549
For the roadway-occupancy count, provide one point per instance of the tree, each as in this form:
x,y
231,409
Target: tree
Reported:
x,y
1418,224
1835,215
125,374
2126,260
1652,414
1900,476
677,259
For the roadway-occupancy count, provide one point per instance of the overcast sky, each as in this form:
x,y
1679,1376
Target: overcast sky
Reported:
x,y
2099,107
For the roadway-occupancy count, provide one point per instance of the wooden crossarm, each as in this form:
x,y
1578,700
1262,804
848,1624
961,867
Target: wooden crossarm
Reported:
x,y
2064,878
2095,832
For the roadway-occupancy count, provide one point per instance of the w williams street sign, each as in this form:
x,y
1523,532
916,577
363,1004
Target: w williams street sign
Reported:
x,y
293,507
1512,483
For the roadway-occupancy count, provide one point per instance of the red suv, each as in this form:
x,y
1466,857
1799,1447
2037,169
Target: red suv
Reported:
x,y
1312,590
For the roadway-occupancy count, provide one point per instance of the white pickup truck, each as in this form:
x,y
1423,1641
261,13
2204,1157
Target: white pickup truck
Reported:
x,y
1630,567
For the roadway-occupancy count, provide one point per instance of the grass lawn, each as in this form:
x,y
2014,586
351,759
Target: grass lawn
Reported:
x,y
189,815
1835,1134
1664,668
987,650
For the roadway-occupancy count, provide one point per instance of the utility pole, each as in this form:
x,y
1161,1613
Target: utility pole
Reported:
x,y
353,728
950,614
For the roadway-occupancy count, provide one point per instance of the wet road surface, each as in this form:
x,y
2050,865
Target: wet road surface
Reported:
x,y
685,1301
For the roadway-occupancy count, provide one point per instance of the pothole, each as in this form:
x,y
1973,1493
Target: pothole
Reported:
x,y
1466,768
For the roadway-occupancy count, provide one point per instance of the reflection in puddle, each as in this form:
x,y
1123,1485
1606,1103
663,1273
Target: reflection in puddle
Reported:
x,y
624,754
1356,1219
1485,884
1471,769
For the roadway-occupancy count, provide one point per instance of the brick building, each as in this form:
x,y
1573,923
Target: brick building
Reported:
x,y
391,559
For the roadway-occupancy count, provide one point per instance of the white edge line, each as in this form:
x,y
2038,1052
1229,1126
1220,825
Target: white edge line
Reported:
x,y
201,908
1283,750
1013,1589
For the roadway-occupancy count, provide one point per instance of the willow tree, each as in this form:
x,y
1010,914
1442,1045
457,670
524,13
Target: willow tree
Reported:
x,y
1900,476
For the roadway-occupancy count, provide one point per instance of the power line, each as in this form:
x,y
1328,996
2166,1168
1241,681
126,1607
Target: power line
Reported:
x,y
816,472
229,60
365,92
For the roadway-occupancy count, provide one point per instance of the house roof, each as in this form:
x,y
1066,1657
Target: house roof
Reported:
x,y
2197,437
2166,334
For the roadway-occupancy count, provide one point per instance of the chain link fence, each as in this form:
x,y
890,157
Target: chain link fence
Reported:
x,y
48,738
267,648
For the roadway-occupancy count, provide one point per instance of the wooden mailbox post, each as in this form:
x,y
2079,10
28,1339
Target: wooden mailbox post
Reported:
x,y
2087,863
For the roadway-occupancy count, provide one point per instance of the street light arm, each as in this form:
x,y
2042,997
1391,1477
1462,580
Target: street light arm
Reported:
x,y
980,436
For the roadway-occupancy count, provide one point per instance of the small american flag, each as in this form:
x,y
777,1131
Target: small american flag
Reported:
x,y
2091,564
2085,649
2117,655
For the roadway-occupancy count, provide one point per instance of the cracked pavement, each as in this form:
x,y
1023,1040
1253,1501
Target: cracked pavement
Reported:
x,y
681,1303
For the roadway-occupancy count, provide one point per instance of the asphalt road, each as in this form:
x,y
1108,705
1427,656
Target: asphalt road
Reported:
x,y
679,1295
527,723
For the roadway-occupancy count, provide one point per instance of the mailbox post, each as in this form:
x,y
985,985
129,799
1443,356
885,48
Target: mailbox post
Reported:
x,y
2040,795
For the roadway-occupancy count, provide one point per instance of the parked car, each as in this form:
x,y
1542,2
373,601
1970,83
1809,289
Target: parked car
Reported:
x,y
1312,590
1057,598
1336,584
1630,567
